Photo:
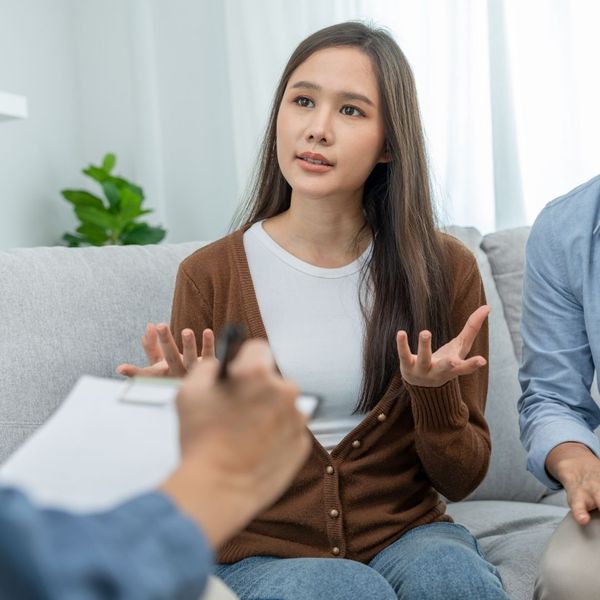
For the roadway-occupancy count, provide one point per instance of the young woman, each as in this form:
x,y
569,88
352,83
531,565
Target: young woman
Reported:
x,y
339,265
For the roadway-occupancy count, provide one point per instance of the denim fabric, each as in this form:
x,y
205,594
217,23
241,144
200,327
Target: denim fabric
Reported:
x,y
431,562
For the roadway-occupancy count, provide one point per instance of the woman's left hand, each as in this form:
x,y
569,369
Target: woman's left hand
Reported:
x,y
434,370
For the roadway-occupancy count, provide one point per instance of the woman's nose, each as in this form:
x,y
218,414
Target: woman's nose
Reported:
x,y
320,128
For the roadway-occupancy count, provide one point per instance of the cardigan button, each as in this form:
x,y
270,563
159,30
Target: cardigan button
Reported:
x,y
334,514
335,550
329,470
382,417
356,444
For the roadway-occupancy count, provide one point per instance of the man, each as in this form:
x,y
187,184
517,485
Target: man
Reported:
x,y
561,346
242,441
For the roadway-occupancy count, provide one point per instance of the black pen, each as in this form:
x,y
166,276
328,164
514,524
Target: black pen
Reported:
x,y
228,344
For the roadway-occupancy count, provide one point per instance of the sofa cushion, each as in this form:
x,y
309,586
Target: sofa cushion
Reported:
x,y
70,311
505,251
507,478
513,536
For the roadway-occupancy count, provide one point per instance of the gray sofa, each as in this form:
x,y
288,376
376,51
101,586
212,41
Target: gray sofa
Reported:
x,y
68,312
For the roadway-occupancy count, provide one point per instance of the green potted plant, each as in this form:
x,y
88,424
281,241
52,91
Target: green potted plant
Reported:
x,y
113,219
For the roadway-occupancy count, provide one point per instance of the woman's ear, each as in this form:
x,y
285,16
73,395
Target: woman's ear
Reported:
x,y
385,156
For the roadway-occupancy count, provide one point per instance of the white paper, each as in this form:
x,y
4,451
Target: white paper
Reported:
x,y
96,450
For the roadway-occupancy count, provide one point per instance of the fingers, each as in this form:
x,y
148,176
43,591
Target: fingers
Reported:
x,y
423,361
202,378
254,357
466,367
170,351
156,370
407,360
190,350
471,329
208,344
128,370
150,344
581,503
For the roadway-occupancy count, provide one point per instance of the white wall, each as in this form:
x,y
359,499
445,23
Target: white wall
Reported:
x,y
41,154
145,79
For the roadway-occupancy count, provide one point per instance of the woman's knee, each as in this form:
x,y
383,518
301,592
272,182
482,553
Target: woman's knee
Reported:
x,y
441,560
452,572
301,578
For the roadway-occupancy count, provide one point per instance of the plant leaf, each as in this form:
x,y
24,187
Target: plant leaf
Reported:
x,y
94,216
96,173
142,233
96,236
111,191
82,198
123,183
109,162
73,241
130,205
137,189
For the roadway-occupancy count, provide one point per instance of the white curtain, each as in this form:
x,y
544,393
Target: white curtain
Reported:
x,y
508,89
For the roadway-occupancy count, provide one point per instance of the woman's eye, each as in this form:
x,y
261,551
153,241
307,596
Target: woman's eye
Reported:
x,y
352,111
304,102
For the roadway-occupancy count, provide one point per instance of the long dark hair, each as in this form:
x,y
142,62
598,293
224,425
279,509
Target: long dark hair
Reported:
x,y
406,273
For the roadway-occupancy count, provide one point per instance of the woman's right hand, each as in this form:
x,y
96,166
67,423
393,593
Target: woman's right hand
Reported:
x,y
164,358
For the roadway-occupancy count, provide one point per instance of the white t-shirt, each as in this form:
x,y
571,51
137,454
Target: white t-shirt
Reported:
x,y
315,326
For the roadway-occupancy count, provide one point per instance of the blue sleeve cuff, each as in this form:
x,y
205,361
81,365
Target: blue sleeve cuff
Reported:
x,y
183,546
551,435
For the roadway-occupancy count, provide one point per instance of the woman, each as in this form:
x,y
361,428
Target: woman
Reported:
x,y
339,264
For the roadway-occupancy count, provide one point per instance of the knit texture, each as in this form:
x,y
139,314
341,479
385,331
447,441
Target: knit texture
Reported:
x,y
388,473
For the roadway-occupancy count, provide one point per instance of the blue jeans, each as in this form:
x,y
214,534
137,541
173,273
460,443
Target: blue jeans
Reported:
x,y
431,562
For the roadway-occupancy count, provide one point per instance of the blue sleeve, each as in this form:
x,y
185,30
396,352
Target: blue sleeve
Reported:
x,y
557,369
144,548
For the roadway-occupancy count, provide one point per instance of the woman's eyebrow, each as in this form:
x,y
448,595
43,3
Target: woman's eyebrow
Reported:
x,y
308,85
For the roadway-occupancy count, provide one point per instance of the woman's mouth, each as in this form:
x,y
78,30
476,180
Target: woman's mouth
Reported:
x,y
315,163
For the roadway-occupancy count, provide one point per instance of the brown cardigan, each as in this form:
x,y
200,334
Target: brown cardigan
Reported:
x,y
383,478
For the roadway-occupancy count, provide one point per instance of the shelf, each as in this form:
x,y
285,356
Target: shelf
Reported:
x,y
12,106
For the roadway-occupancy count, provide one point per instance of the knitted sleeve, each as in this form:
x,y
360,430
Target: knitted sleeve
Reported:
x,y
451,435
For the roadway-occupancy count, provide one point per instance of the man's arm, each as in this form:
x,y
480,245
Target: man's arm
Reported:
x,y
556,374
145,548
242,441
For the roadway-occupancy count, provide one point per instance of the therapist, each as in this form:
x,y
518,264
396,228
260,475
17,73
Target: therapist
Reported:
x,y
241,442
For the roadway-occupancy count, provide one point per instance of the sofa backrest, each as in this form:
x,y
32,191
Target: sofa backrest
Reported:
x,y
507,478
505,251
69,311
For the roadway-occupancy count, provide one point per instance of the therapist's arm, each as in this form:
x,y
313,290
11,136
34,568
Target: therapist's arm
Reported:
x,y
145,548
557,413
241,444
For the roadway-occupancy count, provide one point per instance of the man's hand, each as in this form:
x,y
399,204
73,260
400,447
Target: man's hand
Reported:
x,y
434,370
242,442
164,358
578,469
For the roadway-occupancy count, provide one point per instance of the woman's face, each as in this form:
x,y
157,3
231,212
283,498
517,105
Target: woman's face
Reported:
x,y
330,131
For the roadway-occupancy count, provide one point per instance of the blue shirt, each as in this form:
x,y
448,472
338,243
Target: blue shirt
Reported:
x,y
144,548
560,327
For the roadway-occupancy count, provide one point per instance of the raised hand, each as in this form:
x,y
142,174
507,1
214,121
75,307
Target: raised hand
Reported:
x,y
164,358
434,370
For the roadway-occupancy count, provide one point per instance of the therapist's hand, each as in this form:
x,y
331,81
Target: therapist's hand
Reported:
x,y
578,469
242,442
164,358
